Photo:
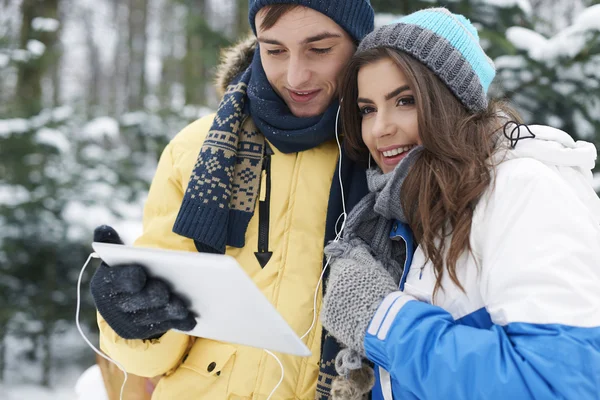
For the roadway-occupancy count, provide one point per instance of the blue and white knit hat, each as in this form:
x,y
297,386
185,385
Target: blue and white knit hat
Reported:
x,y
446,43
355,16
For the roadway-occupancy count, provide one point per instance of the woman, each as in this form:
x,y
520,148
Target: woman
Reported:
x,y
496,293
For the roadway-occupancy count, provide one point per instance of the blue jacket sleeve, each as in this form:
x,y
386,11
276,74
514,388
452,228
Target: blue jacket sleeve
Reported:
x,y
431,356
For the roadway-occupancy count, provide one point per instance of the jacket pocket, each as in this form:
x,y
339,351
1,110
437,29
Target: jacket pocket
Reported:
x,y
203,374
208,357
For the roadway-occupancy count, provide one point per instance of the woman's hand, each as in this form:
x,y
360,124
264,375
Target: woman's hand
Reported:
x,y
356,287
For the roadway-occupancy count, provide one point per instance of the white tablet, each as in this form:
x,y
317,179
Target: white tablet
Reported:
x,y
229,305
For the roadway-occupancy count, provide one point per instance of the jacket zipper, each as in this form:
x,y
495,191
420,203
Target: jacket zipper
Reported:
x,y
263,255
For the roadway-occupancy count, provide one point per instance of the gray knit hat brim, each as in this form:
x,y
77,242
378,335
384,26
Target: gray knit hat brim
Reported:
x,y
437,54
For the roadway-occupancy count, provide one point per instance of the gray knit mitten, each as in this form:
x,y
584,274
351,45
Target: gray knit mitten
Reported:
x,y
356,287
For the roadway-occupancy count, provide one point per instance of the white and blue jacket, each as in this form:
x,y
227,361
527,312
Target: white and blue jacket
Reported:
x,y
528,324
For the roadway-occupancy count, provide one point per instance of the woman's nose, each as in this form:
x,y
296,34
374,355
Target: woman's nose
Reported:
x,y
383,126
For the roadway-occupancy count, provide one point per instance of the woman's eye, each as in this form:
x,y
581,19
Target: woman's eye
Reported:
x,y
366,110
405,101
274,52
321,51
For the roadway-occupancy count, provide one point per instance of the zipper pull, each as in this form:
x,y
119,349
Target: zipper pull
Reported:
x,y
263,184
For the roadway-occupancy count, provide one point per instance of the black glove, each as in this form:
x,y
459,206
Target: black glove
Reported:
x,y
135,305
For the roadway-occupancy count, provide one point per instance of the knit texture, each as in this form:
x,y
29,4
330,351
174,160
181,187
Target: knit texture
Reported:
x,y
365,264
447,44
357,285
220,198
352,175
355,16
350,182
272,116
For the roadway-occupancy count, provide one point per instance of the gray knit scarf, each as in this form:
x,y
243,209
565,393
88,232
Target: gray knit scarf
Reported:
x,y
372,218
369,224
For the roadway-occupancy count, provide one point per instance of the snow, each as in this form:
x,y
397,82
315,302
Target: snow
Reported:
x,y
9,127
596,182
45,24
195,112
525,39
4,60
589,19
510,62
84,218
54,138
32,391
90,385
62,113
133,118
23,375
385,19
101,127
554,121
13,195
567,43
524,5
20,55
583,126
36,47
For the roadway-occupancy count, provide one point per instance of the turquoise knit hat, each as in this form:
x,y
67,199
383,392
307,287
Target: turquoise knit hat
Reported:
x,y
355,16
446,43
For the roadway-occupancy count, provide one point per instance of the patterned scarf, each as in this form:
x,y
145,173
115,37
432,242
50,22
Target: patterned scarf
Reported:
x,y
221,195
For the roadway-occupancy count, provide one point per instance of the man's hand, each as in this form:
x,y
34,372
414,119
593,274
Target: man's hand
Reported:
x,y
135,305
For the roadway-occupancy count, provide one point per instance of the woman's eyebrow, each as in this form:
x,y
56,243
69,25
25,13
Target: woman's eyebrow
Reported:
x,y
396,92
388,96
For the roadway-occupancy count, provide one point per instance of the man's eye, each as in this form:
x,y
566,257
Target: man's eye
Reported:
x,y
405,101
274,52
322,51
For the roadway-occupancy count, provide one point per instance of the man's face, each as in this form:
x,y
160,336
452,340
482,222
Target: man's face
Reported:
x,y
302,55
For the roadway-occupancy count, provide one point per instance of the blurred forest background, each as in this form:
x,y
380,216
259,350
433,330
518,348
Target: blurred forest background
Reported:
x,y
92,90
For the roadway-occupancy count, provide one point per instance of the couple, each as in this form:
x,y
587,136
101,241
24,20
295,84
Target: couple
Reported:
x,y
467,268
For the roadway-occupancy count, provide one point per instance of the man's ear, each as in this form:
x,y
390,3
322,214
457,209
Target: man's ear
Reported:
x,y
106,234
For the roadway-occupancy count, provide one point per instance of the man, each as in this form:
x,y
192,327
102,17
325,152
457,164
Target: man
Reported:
x,y
256,181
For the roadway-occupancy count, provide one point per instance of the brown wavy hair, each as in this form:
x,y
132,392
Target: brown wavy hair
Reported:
x,y
453,170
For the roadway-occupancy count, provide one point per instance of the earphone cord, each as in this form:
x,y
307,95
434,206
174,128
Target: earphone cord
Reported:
x,y
94,255
338,235
338,232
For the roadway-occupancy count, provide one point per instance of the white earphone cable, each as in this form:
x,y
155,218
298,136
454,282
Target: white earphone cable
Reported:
x,y
338,233
339,229
282,374
94,255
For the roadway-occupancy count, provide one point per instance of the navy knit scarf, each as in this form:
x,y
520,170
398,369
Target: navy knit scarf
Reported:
x,y
221,195
274,119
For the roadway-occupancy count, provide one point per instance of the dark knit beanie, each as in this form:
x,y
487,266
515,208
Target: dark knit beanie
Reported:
x,y
447,44
355,16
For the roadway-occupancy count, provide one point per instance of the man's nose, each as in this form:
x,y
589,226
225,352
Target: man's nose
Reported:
x,y
298,73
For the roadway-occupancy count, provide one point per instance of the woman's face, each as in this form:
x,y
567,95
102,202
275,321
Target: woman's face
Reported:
x,y
389,116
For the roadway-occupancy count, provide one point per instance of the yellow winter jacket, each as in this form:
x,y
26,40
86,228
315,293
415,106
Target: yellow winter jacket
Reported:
x,y
197,368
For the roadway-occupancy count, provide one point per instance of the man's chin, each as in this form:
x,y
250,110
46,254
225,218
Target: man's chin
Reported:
x,y
307,111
